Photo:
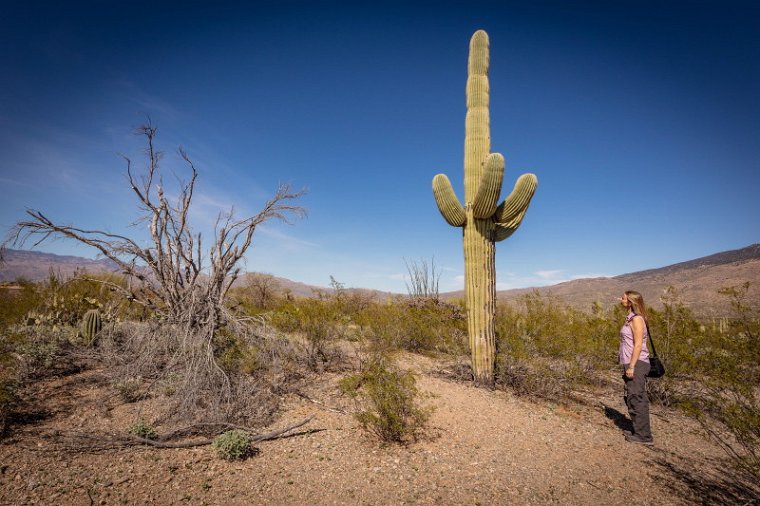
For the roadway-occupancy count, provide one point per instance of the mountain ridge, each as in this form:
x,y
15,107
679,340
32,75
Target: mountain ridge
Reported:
x,y
695,281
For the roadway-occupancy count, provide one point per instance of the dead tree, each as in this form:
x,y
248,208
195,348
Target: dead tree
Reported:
x,y
171,277
423,279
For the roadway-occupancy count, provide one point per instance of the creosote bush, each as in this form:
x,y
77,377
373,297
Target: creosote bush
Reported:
x,y
417,325
319,322
233,445
141,428
388,400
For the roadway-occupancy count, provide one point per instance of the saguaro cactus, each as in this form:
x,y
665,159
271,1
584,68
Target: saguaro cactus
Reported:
x,y
484,221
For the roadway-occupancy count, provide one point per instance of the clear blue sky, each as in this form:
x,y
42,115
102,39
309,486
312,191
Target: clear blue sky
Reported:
x,y
641,120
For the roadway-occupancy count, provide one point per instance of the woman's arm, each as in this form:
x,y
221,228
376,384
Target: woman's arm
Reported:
x,y
637,325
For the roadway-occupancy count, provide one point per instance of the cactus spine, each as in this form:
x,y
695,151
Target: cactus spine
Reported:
x,y
92,324
484,222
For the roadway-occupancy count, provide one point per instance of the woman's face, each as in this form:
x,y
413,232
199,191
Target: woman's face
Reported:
x,y
624,301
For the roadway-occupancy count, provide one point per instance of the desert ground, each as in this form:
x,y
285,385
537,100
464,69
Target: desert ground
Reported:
x,y
480,447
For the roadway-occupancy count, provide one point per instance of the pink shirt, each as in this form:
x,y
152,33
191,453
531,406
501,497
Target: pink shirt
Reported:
x,y
626,342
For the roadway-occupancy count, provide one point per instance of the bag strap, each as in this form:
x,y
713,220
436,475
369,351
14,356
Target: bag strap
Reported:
x,y
651,340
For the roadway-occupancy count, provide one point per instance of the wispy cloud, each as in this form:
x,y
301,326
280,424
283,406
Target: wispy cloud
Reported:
x,y
591,275
288,241
552,274
511,280
456,283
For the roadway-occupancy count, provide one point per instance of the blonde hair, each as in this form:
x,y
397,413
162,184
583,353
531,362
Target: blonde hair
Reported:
x,y
637,303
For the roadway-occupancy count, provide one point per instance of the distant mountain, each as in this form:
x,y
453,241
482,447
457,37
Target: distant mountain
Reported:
x,y
696,281
36,266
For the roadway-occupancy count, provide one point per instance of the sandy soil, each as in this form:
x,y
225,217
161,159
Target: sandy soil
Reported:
x,y
482,447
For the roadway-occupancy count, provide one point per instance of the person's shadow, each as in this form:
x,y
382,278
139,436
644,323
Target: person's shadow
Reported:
x,y
621,421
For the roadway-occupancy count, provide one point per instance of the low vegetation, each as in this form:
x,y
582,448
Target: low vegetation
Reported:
x,y
233,445
387,400
546,350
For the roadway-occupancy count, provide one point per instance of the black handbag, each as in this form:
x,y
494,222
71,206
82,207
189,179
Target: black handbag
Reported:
x,y
656,367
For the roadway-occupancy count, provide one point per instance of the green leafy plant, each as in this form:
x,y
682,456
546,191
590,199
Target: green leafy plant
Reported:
x,y
141,428
233,445
387,399
319,322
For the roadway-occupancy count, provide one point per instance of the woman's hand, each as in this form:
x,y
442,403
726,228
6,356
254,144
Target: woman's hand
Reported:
x,y
629,373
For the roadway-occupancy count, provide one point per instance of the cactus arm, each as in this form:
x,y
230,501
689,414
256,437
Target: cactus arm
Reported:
x,y
504,230
448,204
517,202
487,197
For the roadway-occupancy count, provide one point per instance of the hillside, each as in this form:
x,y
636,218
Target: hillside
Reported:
x,y
696,281
36,265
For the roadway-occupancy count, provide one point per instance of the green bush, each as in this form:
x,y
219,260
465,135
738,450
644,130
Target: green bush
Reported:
x,y
319,322
233,445
416,325
8,390
16,303
142,429
235,354
128,389
388,400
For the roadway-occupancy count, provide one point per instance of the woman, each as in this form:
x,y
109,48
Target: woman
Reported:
x,y
634,357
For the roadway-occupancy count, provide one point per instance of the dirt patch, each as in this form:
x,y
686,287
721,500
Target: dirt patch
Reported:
x,y
482,447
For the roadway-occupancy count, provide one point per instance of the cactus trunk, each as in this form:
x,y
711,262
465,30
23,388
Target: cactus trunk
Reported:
x,y
484,222
480,296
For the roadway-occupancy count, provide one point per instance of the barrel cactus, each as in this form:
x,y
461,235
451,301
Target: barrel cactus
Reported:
x,y
92,324
483,219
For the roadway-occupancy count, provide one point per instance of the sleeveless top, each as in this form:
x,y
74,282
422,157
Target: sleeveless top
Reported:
x,y
626,342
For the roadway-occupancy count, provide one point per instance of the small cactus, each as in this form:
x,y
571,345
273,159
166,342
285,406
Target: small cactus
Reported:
x,y
92,324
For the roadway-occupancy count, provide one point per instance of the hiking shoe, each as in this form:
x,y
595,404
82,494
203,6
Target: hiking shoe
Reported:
x,y
633,438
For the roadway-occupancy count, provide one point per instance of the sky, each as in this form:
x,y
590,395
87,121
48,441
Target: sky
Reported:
x,y
640,119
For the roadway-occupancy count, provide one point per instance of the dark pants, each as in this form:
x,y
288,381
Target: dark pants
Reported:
x,y
636,399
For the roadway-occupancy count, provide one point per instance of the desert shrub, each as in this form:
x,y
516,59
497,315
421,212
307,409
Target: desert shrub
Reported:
x,y
548,350
319,322
728,370
128,389
146,359
233,445
537,377
257,293
141,428
237,356
9,385
28,354
388,400
16,303
417,325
